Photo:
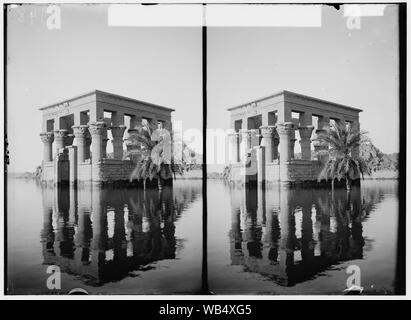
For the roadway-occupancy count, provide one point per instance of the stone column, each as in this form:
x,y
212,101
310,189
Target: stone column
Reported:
x,y
97,132
254,137
80,133
104,145
47,138
59,139
268,133
323,127
261,162
285,132
87,144
276,142
117,133
305,134
245,143
73,158
234,147
292,144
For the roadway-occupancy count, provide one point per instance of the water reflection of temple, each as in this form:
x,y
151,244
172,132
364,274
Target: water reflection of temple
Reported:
x,y
293,235
103,235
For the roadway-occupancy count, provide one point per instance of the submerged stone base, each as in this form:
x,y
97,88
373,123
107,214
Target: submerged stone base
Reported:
x,y
294,172
105,172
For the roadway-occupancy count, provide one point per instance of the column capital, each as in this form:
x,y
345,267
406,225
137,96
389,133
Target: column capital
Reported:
x,y
117,131
47,137
286,128
61,133
80,131
305,132
269,131
97,128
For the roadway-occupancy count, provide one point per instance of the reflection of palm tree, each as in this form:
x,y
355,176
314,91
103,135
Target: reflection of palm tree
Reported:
x,y
340,238
343,162
144,235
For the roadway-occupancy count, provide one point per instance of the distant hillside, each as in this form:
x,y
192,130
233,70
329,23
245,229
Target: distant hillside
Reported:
x,y
21,175
377,159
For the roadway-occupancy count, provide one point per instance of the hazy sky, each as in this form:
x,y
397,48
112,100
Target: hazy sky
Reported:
x,y
158,65
358,68
163,66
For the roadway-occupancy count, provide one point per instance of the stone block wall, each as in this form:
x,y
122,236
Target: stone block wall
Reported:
x,y
48,171
272,172
107,171
298,171
303,170
115,170
84,172
237,173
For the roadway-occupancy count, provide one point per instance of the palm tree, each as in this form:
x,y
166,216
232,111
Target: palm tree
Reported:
x,y
152,154
343,162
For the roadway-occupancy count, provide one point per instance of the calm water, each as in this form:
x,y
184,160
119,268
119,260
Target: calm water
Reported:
x,y
118,241
301,241
127,241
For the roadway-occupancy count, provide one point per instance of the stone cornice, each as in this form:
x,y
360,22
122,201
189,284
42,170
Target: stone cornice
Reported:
x,y
287,94
99,94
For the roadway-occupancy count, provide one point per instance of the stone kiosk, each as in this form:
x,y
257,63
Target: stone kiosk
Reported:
x,y
263,137
75,136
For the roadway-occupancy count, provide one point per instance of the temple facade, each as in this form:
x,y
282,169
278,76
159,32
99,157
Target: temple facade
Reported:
x,y
75,133
263,137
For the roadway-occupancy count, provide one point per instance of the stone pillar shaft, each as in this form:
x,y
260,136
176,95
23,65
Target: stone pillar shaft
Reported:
x,y
305,134
47,139
97,131
244,144
87,145
285,131
234,147
118,133
292,144
73,158
59,139
254,138
261,163
80,133
269,133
